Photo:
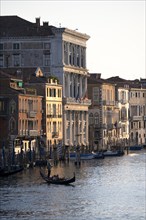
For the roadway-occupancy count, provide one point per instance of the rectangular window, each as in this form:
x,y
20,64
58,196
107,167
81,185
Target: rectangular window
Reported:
x,y
16,60
96,94
47,92
47,46
1,60
16,46
54,110
2,106
1,46
54,127
65,52
50,92
134,110
59,92
47,60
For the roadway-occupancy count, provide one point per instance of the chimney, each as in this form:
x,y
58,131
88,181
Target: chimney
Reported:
x,y
46,24
96,75
37,22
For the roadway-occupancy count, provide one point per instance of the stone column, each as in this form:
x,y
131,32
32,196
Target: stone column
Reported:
x,y
67,53
64,126
64,85
72,85
82,126
68,85
76,86
81,87
80,56
87,124
85,84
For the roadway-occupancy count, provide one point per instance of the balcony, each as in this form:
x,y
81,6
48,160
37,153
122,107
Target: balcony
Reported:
x,y
79,101
123,119
33,133
108,102
137,118
123,101
32,114
23,132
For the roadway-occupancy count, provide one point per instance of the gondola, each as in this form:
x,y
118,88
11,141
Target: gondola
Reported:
x,y
11,171
57,180
98,155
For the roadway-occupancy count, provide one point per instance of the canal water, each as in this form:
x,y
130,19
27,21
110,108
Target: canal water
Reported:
x,y
107,189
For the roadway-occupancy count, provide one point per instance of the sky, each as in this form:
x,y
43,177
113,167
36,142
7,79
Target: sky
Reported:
x,y
116,28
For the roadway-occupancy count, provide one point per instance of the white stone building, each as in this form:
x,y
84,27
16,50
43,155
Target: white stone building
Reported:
x,y
123,105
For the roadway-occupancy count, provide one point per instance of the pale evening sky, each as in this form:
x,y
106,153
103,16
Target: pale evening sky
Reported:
x,y
116,28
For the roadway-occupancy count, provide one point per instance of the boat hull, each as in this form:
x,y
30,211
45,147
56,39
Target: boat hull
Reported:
x,y
60,181
137,147
113,153
73,156
4,172
98,155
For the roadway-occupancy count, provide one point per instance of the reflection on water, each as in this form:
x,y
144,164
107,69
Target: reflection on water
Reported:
x,y
109,189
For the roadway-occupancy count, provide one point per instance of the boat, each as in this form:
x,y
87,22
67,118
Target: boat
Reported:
x,y
82,156
98,155
136,147
10,171
110,153
57,180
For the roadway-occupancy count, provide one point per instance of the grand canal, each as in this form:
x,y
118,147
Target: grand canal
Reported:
x,y
108,189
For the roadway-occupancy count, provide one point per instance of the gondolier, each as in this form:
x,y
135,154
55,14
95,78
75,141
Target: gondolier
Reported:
x,y
49,166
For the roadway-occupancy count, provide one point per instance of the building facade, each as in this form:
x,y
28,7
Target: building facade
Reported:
x,y
122,99
132,97
51,92
103,113
137,106
20,116
60,51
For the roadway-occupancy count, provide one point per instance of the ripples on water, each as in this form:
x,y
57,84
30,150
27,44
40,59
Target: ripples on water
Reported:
x,y
109,189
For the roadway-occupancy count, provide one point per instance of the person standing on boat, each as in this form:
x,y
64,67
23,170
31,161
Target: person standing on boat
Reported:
x,y
49,168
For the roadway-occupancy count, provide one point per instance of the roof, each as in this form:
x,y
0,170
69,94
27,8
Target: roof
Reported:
x,y
14,26
116,79
96,79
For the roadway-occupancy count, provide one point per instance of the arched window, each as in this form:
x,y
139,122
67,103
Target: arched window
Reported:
x,y
91,118
12,107
12,124
96,118
131,136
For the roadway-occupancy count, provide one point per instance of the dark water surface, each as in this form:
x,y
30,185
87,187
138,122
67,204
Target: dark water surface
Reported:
x,y
108,189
